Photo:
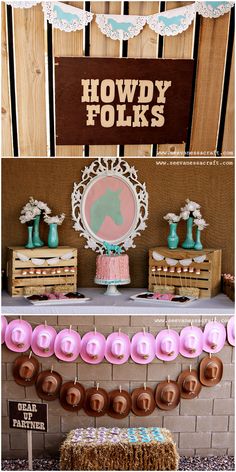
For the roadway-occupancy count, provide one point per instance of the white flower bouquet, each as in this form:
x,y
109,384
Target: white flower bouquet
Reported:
x,y
29,215
32,209
171,218
200,223
190,213
41,205
58,220
190,209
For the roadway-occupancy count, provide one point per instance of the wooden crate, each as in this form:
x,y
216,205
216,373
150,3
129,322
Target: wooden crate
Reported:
x,y
21,282
208,281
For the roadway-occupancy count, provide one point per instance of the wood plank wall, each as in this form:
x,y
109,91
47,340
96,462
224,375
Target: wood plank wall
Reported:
x,y
68,44
180,48
103,47
31,53
7,147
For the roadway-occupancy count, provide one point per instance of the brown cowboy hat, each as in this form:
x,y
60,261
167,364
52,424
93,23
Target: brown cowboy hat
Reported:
x,y
25,370
210,371
167,395
189,384
143,402
119,404
96,401
72,395
48,385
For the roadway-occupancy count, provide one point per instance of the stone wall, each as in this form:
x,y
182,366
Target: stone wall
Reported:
x,y
203,426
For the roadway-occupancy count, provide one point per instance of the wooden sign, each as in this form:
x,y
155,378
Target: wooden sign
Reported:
x,y
122,101
28,415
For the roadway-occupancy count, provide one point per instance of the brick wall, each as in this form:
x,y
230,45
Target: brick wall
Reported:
x,y
201,426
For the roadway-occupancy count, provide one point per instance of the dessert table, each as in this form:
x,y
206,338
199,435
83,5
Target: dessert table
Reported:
x,y
122,305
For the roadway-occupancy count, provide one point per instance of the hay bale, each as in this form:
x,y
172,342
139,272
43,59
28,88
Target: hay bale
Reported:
x,y
119,449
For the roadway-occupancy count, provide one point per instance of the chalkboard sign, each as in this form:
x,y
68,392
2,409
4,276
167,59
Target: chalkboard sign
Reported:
x,y
122,101
28,415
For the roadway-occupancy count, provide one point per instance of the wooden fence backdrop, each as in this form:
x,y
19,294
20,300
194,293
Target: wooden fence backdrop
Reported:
x,y
28,49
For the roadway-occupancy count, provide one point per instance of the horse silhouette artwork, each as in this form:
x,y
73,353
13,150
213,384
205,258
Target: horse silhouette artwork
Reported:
x,y
63,15
175,20
119,26
110,248
214,4
106,205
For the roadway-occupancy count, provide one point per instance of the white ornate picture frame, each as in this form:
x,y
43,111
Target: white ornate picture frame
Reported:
x,y
120,179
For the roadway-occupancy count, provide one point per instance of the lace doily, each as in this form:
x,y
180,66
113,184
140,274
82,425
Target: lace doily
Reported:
x,y
213,9
172,22
65,17
120,27
23,4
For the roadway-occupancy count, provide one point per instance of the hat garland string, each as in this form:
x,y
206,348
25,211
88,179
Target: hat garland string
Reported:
x,y
197,374
93,347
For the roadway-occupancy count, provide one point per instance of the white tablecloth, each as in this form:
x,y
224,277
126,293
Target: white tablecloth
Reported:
x,y
102,304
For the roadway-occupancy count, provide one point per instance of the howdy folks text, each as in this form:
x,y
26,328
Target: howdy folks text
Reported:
x,y
107,92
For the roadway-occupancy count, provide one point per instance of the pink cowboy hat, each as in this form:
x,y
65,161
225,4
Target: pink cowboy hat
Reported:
x,y
231,331
67,345
214,337
143,348
117,348
18,335
191,341
93,347
43,339
167,345
3,328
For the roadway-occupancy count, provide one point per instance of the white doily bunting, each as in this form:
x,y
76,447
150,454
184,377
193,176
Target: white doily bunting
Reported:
x,y
23,4
185,262
65,17
121,27
172,22
157,256
213,9
200,259
172,262
51,261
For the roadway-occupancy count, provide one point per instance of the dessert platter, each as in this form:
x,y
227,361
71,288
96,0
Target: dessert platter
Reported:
x,y
57,298
160,299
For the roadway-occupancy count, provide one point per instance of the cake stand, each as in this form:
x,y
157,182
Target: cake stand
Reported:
x,y
112,289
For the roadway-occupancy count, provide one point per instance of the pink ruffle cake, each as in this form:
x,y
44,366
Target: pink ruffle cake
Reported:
x,y
112,269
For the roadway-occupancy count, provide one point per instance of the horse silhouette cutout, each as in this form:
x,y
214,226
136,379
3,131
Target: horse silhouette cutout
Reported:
x,y
119,26
111,248
106,205
63,15
175,20
215,4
